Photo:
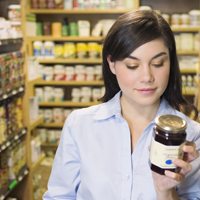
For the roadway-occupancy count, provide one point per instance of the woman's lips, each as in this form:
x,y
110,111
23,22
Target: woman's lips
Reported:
x,y
146,90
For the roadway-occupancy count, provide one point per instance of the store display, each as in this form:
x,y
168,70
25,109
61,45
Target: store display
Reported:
x,y
63,66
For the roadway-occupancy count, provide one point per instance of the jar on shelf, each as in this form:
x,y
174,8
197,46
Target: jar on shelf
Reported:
x,y
14,12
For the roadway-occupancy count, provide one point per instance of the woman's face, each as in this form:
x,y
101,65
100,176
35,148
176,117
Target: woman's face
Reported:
x,y
143,76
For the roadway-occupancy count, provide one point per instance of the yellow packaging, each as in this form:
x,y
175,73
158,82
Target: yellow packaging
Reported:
x,y
93,49
69,50
82,49
59,50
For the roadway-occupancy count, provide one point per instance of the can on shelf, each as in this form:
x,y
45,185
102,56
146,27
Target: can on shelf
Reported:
x,y
166,146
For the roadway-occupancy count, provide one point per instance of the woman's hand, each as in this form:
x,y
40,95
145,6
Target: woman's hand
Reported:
x,y
165,185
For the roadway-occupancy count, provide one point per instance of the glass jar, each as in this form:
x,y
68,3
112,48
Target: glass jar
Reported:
x,y
166,146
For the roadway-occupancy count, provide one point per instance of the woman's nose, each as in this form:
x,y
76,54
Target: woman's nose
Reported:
x,y
147,74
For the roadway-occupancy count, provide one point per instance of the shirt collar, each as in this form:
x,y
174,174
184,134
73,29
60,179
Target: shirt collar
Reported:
x,y
113,108
110,108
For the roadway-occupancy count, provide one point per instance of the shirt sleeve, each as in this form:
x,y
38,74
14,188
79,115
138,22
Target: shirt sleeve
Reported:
x,y
65,175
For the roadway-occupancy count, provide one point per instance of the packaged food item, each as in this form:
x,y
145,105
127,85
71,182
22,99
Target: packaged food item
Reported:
x,y
194,17
169,136
56,29
59,72
93,49
49,49
38,48
81,49
175,19
84,28
59,50
69,50
14,12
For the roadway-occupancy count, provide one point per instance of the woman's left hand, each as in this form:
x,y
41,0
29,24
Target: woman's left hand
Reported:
x,y
166,184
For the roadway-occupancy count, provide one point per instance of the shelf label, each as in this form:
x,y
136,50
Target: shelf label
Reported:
x,y
20,178
3,147
14,92
2,197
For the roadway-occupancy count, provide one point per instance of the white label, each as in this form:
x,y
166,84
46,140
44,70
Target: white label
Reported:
x,y
163,155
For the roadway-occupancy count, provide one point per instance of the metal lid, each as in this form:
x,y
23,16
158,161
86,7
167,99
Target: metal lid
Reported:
x,y
171,123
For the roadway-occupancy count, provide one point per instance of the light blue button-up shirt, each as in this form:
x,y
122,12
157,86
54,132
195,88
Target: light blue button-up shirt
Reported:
x,y
94,160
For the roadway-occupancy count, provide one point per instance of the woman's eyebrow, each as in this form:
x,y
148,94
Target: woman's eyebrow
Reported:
x,y
156,56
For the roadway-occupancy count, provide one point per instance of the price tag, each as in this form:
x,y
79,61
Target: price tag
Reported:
x,y
16,137
19,178
5,96
3,147
2,197
8,143
14,92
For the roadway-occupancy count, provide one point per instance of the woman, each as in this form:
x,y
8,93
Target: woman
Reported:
x,y
104,149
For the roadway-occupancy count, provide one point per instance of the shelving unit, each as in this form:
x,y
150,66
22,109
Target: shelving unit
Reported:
x,y
14,168
57,15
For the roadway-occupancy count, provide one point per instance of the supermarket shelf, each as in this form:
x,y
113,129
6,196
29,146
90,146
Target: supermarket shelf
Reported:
x,y
79,11
13,139
188,92
52,125
10,45
69,61
49,146
37,164
11,94
67,38
192,53
23,173
67,104
187,70
36,123
68,83
186,28
33,81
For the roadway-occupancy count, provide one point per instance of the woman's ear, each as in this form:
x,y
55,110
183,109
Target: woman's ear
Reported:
x,y
111,64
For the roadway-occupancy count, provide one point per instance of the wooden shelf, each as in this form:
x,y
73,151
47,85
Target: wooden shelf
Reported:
x,y
36,123
12,140
70,61
188,92
187,70
68,83
52,125
34,81
14,183
37,164
185,52
49,145
78,11
67,104
185,28
67,38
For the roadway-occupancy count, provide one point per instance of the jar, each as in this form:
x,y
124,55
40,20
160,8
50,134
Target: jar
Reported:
x,y
49,49
38,48
194,17
14,12
56,29
166,146
175,19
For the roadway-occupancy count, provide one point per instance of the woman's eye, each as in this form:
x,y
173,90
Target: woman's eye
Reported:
x,y
158,64
131,66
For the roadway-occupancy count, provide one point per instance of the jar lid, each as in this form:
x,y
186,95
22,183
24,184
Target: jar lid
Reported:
x,y
171,123
14,6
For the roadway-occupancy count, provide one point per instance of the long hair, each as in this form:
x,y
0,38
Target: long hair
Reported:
x,y
130,31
